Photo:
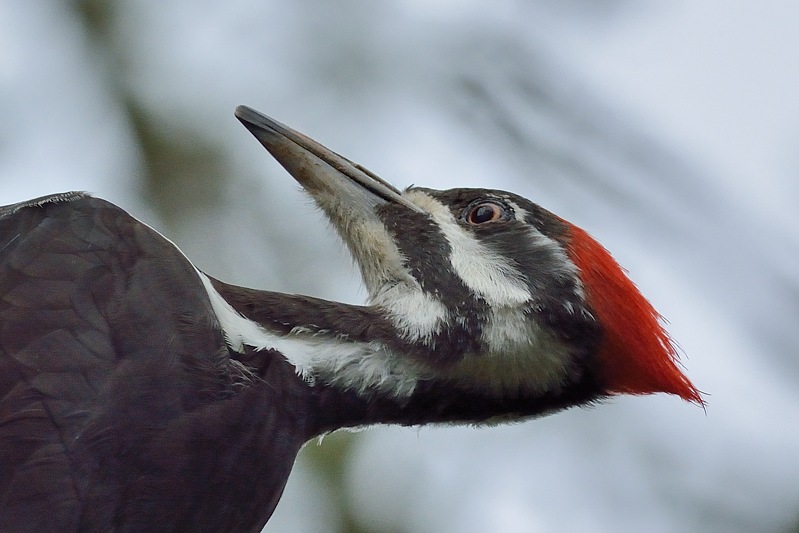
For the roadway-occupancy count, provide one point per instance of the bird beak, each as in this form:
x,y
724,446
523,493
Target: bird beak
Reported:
x,y
331,179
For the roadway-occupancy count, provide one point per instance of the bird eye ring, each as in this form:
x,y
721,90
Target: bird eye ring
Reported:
x,y
484,212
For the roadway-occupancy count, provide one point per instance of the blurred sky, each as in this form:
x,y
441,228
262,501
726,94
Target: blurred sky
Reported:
x,y
670,130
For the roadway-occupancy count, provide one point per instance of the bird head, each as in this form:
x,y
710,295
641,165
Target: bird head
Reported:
x,y
480,289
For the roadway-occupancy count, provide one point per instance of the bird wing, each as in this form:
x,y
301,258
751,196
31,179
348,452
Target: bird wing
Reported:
x,y
104,341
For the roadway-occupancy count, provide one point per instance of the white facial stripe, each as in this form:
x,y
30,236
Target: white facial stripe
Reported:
x,y
417,315
357,366
519,212
484,272
563,266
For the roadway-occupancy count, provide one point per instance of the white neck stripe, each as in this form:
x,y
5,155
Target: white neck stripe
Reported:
x,y
319,357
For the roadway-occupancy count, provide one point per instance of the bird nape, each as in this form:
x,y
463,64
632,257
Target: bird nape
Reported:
x,y
138,393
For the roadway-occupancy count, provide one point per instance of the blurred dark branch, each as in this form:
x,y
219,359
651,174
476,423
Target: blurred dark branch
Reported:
x,y
182,167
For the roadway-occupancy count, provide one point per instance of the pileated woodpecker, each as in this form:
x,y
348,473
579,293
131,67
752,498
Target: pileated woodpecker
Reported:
x,y
138,393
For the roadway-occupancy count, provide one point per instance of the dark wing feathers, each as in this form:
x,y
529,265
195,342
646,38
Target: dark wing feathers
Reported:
x,y
85,380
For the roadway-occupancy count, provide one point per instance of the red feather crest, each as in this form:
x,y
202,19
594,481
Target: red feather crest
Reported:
x,y
637,354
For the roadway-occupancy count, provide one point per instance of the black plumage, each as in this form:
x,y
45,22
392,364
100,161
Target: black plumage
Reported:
x,y
120,406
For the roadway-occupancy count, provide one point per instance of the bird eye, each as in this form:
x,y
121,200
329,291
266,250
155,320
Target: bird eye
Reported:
x,y
483,212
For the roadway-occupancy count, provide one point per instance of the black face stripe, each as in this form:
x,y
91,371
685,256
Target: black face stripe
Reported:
x,y
544,221
425,249
427,254
542,268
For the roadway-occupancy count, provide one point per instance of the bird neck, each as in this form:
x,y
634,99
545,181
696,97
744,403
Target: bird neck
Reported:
x,y
354,370
349,347
286,314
